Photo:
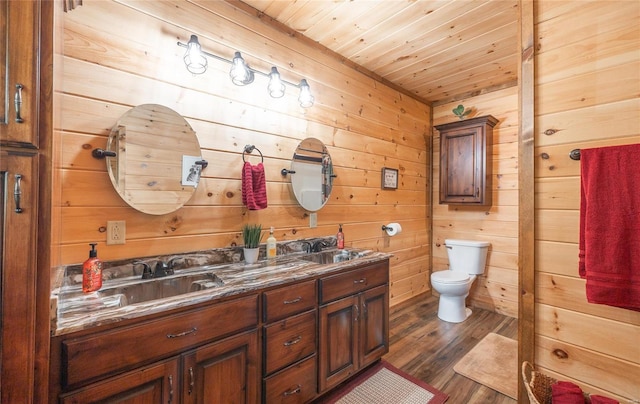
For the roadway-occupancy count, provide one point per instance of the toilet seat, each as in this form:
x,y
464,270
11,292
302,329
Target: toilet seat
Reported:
x,y
450,277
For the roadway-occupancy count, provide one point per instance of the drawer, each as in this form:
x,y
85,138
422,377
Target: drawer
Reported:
x,y
352,282
288,300
87,358
289,340
296,384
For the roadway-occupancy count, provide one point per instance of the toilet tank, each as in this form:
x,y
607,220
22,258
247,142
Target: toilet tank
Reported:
x,y
467,256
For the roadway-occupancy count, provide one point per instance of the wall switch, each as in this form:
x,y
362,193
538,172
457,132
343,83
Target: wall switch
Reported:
x,y
313,220
116,231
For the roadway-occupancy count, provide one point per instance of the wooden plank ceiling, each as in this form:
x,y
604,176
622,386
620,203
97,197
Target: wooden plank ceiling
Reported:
x,y
437,50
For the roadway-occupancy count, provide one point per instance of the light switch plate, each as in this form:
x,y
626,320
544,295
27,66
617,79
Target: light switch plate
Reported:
x,y
116,232
313,220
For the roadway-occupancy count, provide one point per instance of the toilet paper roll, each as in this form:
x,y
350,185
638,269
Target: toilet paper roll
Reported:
x,y
393,228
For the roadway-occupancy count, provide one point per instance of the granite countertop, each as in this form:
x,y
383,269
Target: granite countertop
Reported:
x,y
71,310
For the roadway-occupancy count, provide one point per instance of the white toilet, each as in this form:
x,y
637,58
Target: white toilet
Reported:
x,y
466,260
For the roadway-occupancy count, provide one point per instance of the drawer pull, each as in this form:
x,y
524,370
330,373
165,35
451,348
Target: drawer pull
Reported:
x,y
293,341
191,380
292,392
296,300
182,334
363,280
17,100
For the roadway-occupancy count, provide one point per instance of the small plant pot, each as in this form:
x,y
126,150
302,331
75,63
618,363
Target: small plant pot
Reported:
x,y
251,255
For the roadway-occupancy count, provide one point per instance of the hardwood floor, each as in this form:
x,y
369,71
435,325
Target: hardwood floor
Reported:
x,y
426,347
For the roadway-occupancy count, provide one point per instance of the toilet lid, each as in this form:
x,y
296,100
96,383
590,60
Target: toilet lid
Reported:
x,y
450,276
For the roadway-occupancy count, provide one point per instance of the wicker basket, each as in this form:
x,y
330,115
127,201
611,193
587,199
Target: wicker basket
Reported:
x,y
538,384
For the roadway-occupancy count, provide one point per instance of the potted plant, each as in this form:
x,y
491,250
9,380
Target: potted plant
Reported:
x,y
251,234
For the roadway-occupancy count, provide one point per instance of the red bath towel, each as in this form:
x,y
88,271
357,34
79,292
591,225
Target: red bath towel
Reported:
x,y
254,187
610,225
566,393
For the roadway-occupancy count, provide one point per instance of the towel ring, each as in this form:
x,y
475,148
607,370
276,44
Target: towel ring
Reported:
x,y
249,149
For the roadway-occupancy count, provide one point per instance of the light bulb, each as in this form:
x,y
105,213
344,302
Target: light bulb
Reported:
x,y
276,86
240,73
194,59
305,98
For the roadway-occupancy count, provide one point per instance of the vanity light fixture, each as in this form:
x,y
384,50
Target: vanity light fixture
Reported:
x,y
241,74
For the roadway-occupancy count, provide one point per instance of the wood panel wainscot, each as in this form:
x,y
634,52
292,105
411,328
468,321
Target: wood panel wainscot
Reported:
x,y
268,345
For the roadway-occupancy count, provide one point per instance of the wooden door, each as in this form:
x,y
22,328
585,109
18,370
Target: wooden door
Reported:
x,y
374,324
156,384
223,372
18,220
338,350
18,72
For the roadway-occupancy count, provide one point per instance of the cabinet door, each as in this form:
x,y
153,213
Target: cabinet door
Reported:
x,y
465,161
223,372
154,384
338,351
18,230
18,80
374,324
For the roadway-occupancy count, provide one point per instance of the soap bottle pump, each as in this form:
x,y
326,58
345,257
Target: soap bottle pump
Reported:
x,y
92,271
340,237
271,245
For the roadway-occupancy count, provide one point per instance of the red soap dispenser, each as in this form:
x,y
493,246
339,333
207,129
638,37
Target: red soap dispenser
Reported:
x,y
340,237
92,271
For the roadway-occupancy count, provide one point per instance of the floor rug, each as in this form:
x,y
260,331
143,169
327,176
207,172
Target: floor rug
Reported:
x,y
493,362
385,384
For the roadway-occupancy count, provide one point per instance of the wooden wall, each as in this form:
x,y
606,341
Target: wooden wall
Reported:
x,y
588,92
119,54
496,289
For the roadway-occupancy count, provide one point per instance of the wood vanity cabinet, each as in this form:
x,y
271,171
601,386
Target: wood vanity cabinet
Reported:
x,y
285,344
289,343
465,161
203,355
354,322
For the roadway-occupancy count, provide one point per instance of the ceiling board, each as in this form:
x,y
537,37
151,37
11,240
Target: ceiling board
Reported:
x,y
435,49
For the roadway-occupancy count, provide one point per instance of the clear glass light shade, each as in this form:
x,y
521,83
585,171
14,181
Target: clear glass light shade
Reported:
x,y
305,98
194,59
276,86
240,73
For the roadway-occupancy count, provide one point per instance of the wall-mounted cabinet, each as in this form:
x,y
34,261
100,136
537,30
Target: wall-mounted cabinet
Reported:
x,y
465,161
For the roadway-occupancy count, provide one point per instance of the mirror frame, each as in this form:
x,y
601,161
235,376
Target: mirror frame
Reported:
x,y
311,174
154,159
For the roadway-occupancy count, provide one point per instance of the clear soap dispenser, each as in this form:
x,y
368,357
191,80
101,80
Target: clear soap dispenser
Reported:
x,y
92,271
271,245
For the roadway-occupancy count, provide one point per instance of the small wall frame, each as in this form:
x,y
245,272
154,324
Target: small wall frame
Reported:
x,y
389,178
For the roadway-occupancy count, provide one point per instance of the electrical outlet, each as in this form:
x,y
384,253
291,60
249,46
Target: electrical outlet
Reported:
x,y
116,231
313,220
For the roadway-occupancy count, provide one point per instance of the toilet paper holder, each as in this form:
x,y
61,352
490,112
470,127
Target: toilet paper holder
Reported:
x,y
392,229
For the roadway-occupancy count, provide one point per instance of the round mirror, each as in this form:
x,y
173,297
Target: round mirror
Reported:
x,y
311,174
157,162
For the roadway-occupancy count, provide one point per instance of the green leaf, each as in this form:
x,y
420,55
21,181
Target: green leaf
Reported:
x,y
252,234
459,110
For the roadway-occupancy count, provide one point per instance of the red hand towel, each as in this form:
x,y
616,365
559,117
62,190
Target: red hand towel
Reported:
x,y
566,393
596,399
610,225
254,187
